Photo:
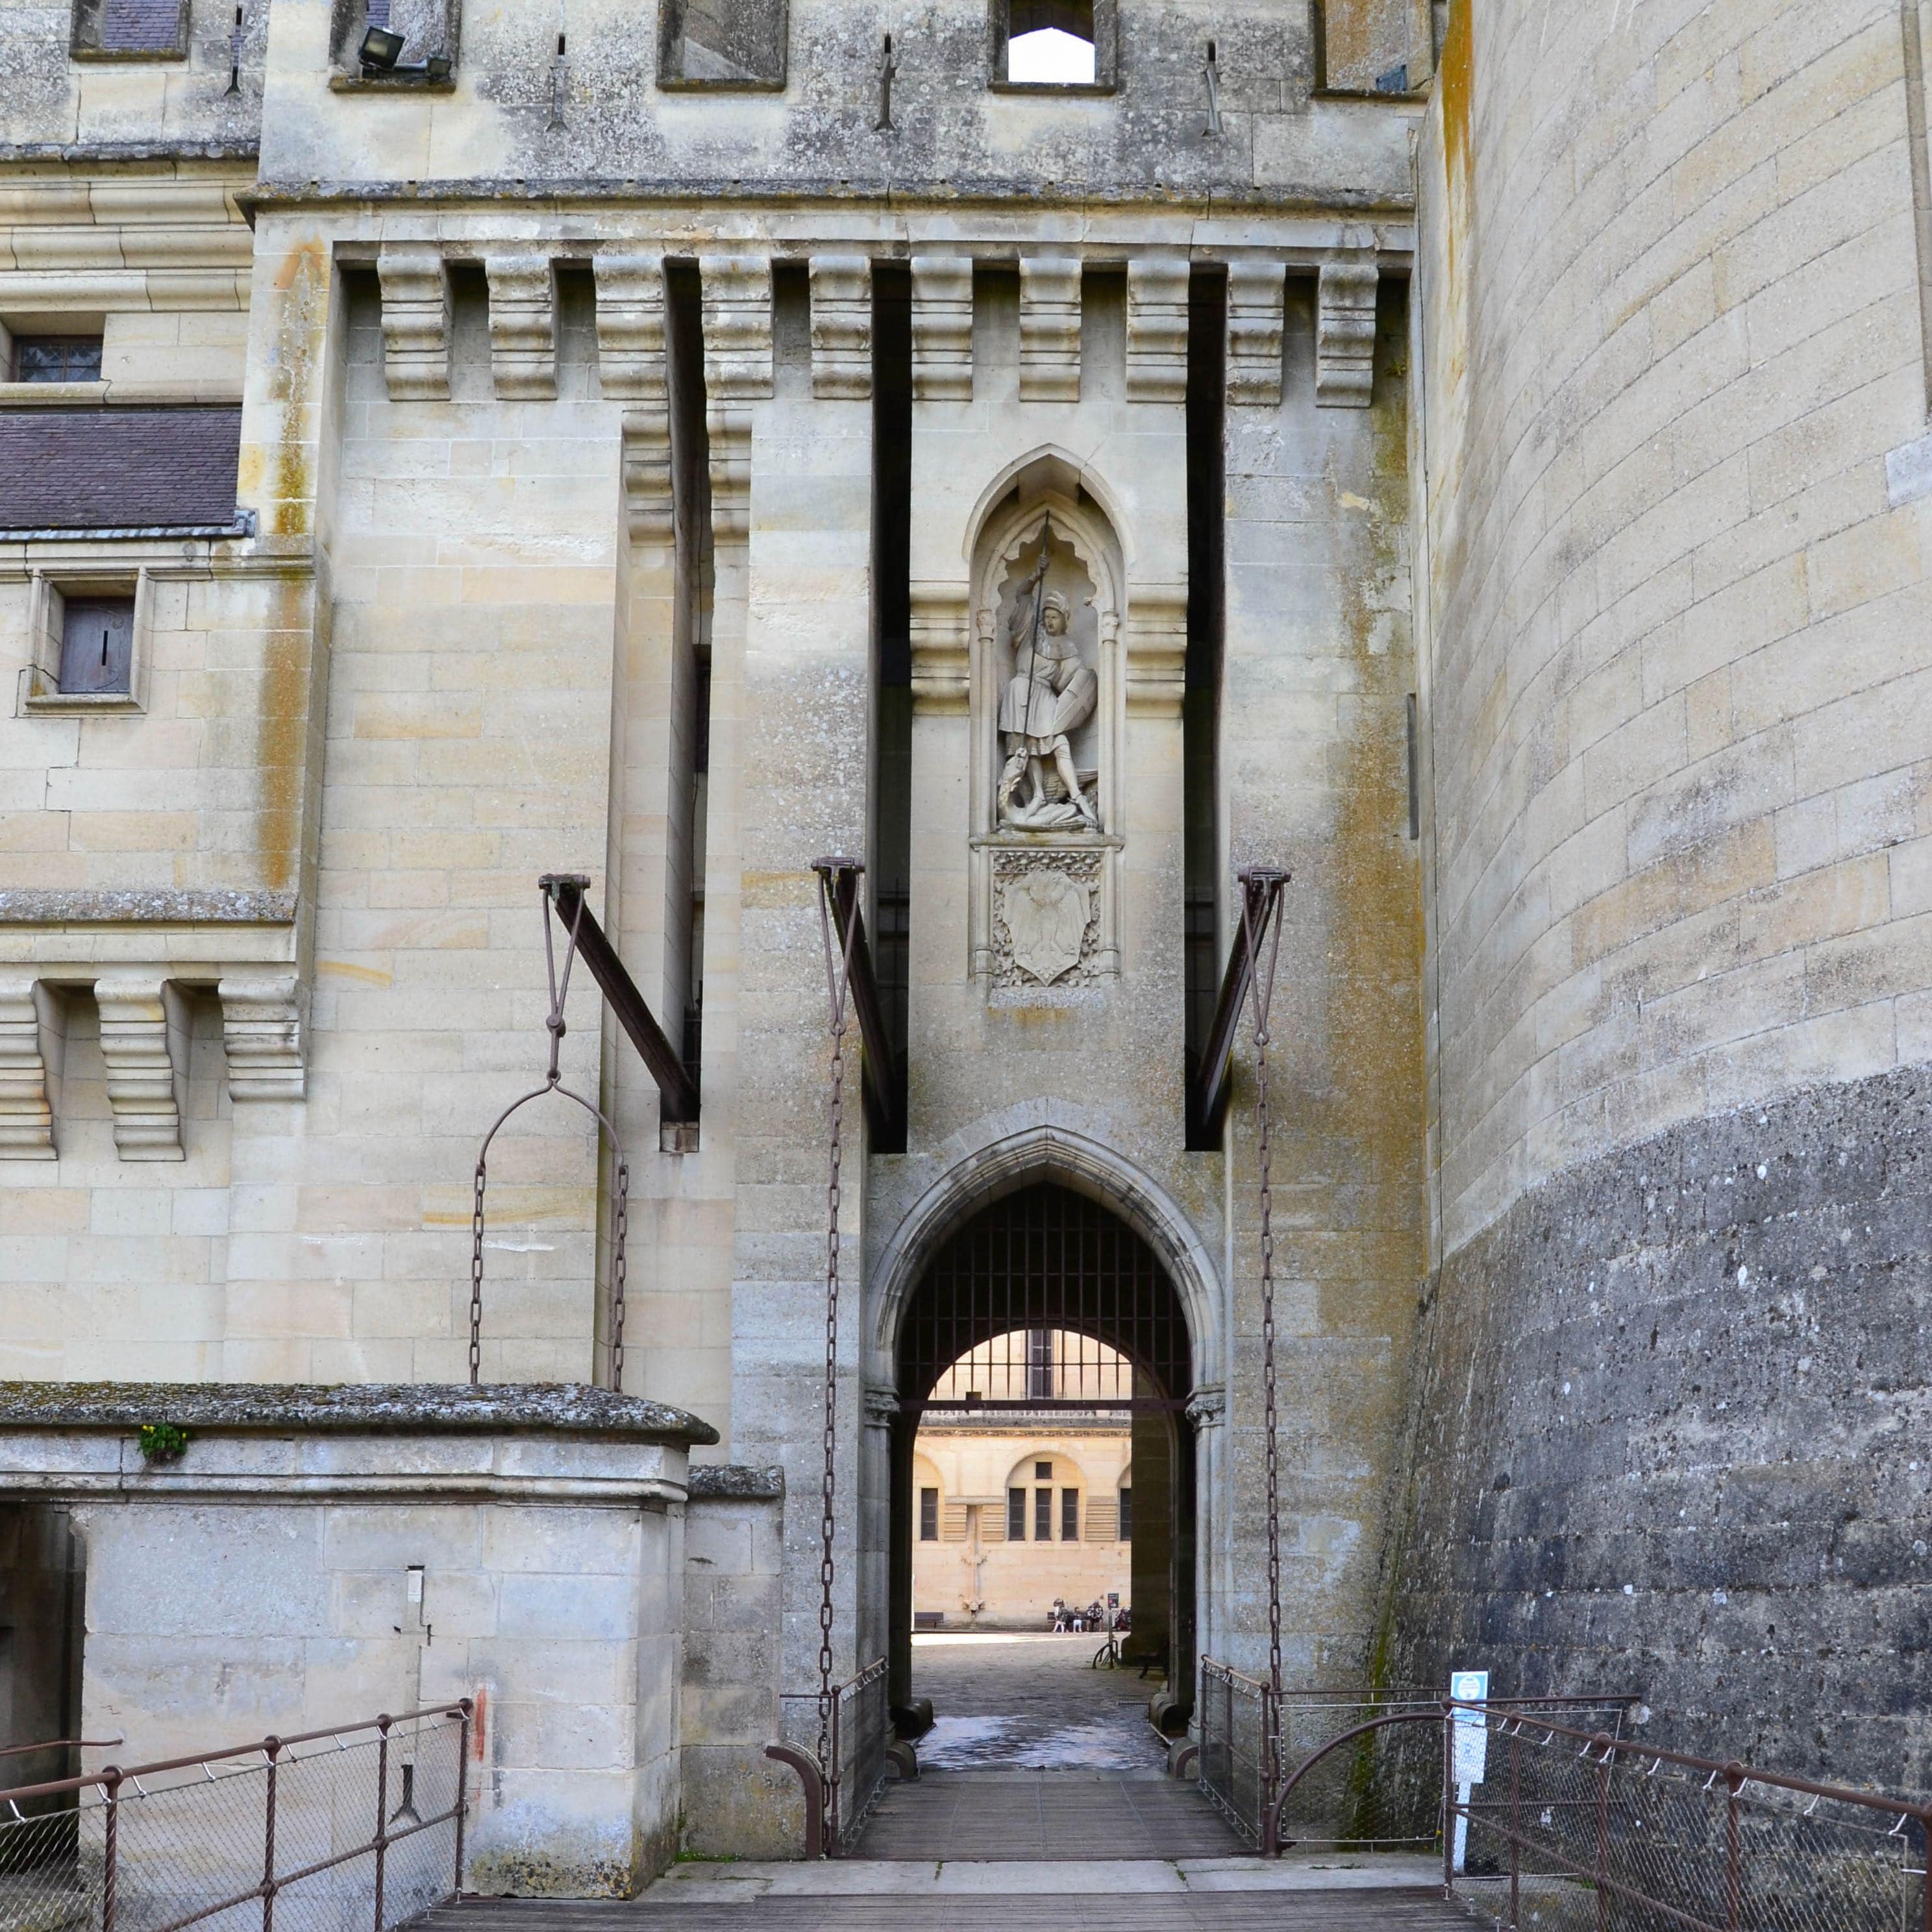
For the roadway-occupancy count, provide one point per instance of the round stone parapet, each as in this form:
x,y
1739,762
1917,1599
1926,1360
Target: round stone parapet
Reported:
x,y
424,1409
513,1442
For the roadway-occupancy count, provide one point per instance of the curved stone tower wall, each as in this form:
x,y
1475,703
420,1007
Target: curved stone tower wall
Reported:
x,y
1672,622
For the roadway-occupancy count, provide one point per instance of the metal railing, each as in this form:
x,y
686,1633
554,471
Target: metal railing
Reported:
x,y
841,1787
1569,1831
1274,1766
1238,1723
353,1829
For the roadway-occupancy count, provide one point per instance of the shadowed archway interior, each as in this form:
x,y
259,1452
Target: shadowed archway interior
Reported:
x,y
1042,1259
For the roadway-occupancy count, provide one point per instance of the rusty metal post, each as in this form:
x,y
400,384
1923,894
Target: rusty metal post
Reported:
x,y
1733,1851
381,1809
273,1746
1516,1822
1448,1802
1270,1833
467,1707
1925,1884
1603,1839
110,1863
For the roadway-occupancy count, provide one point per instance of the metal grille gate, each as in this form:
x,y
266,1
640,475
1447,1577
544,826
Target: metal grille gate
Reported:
x,y
1045,1258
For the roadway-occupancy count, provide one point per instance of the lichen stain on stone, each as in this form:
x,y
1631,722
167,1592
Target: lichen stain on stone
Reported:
x,y
286,654
528,1872
1375,1004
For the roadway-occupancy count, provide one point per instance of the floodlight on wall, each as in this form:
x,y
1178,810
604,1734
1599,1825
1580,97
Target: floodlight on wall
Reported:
x,y
380,51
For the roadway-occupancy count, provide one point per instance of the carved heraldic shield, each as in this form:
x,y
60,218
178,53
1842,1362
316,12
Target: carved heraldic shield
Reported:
x,y
1046,914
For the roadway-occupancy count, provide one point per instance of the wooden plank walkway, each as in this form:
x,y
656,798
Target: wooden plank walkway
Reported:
x,y
1056,1815
674,1910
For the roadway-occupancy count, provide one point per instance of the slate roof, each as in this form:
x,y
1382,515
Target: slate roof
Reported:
x,y
140,26
118,469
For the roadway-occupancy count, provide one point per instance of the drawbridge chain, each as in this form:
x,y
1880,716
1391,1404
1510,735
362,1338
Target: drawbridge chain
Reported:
x,y
838,928
552,887
1262,888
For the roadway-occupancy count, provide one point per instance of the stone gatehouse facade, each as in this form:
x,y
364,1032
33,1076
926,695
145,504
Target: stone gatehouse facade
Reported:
x,y
1474,460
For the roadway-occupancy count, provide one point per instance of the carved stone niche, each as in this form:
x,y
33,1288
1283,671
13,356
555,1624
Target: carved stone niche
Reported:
x,y
1048,713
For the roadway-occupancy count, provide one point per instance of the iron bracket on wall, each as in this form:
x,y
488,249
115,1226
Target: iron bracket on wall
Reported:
x,y
677,1091
885,1095
1261,887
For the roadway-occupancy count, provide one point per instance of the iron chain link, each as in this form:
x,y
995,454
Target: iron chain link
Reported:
x,y
839,977
1261,901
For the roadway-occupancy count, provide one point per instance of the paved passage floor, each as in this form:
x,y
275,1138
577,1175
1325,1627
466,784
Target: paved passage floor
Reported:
x,y
1027,1701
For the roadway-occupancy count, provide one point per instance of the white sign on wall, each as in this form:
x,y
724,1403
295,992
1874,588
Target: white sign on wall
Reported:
x,y
1470,1733
1469,1747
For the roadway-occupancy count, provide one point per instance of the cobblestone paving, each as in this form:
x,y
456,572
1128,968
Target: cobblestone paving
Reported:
x,y
1029,1701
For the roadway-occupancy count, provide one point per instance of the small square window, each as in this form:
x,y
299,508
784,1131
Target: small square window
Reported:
x,y
96,655
414,41
1016,1516
929,1516
129,30
56,358
1043,1472
1054,45
730,45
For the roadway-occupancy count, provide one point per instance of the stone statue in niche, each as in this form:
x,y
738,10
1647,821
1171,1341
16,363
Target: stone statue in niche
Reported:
x,y
1052,692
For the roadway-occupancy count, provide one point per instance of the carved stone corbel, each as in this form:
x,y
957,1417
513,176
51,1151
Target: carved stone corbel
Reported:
x,y
262,1030
1049,329
631,327
1157,650
649,507
416,324
842,326
523,326
144,1049
26,1098
1207,1407
1255,291
1345,335
942,665
1157,329
737,297
730,433
942,329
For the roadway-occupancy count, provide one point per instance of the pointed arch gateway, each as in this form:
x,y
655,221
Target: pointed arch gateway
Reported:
x,y
1043,1258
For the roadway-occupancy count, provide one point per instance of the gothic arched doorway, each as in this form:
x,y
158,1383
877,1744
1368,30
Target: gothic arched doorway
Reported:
x,y
1046,1312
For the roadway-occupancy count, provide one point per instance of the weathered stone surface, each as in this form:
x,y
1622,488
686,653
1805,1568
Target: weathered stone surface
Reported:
x,y
1669,1437
414,1408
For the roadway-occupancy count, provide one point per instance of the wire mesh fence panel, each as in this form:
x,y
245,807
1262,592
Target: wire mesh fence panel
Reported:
x,y
1355,1778
348,1832
856,1732
1234,1716
863,1724
1562,1830
45,1882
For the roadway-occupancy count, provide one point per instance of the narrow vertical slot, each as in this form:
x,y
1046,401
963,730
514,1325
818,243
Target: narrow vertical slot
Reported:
x,y
1200,708
691,662
891,668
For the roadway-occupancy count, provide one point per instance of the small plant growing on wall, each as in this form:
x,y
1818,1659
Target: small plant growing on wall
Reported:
x,y
162,1442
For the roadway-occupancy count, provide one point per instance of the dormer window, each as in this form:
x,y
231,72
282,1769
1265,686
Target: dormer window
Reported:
x,y
137,30
56,358
1054,45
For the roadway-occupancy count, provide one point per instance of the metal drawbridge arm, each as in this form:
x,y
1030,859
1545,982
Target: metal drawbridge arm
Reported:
x,y
677,1091
884,1096
1261,887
